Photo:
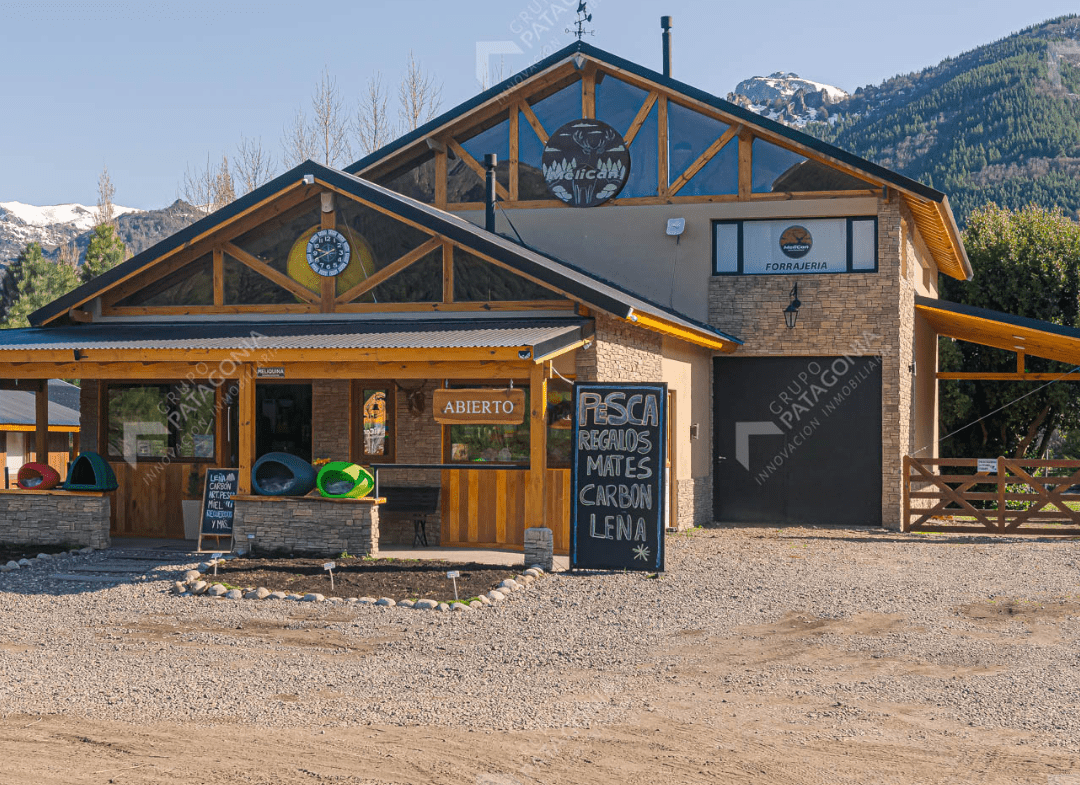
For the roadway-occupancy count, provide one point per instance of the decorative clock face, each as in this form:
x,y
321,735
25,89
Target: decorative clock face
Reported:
x,y
328,252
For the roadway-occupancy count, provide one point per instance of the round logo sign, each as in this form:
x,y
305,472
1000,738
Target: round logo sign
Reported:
x,y
585,163
796,242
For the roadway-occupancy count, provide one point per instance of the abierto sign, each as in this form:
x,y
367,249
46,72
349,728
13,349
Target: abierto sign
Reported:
x,y
479,406
617,480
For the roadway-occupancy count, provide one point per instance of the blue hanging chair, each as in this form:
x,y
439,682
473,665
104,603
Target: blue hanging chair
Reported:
x,y
281,474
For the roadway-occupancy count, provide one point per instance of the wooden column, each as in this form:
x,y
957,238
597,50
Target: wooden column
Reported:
x,y
219,276
662,143
512,162
440,178
247,420
328,289
41,423
746,163
536,493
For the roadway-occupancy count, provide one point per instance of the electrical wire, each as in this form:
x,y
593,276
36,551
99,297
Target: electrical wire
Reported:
x,y
1000,408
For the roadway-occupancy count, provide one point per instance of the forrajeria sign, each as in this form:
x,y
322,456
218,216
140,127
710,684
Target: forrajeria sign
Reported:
x,y
617,477
795,246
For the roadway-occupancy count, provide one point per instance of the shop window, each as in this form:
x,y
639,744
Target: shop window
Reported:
x,y
689,135
778,170
283,415
792,246
476,280
374,437
417,182
157,421
495,139
192,284
509,444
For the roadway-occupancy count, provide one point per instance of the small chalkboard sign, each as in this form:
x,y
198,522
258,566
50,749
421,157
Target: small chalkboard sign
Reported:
x,y
216,520
618,484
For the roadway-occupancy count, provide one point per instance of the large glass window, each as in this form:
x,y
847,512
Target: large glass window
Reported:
x,y
476,280
779,170
509,444
148,421
192,284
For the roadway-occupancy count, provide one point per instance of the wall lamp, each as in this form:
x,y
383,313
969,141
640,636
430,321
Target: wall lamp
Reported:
x,y
791,313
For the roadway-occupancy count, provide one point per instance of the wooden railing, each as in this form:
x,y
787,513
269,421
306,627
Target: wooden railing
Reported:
x,y
951,495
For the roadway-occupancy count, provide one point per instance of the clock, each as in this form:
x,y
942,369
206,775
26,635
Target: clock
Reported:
x,y
328,252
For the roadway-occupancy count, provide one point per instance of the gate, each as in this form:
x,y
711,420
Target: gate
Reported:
x,y
1021,497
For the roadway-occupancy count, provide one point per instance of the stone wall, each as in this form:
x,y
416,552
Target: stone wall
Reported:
x,y
330,427
307,525
621,352
858,314
54,518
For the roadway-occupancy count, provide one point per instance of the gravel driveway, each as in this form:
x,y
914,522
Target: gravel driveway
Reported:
x,y
816,637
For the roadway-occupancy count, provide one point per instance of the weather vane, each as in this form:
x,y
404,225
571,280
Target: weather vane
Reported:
x,y
579,26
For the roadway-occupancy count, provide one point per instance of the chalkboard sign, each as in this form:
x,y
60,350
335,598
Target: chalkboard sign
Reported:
x,y
618,476
217,506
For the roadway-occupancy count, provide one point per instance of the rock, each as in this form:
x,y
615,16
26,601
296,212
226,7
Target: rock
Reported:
x,y
366,600
251,595
313,597
25,562
234,594
179,587
294,597
536,567
533,573
262,593
509,584
277,595
406,604
192,575
204,566
459,606
442,606
199,587
425,605
495,596
525,579
43,556
335,600
476,604
385,602
352,600
11,565
483,600
86,551
217,590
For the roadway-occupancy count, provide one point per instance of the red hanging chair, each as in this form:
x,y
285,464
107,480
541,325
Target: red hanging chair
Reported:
x,y
38,477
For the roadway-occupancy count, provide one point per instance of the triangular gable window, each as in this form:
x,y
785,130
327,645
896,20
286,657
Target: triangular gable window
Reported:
x,y
417,182
244,286
420,282
494,140
192,284
779,170
690,134
476,280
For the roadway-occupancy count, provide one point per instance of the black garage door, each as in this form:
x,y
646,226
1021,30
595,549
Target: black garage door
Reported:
x,y
797,440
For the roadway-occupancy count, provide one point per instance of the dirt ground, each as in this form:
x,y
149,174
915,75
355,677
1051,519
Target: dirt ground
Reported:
x,y
826,689
397,579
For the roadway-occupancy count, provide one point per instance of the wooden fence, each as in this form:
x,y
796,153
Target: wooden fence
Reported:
x,y
1020,497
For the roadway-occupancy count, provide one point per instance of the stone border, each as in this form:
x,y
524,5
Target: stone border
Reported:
x,y
193,585
41,558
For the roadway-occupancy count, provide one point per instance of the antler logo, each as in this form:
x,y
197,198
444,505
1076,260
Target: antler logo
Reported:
x,y
796,242
585,163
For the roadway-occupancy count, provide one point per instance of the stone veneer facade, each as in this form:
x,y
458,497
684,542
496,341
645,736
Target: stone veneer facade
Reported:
x,y
54,518
857,313
307,525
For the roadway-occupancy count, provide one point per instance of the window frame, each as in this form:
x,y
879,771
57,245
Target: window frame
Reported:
x,y
171,386
849,268
357,448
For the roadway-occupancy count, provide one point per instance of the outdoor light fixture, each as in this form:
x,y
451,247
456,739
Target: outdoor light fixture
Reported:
x,y
791,313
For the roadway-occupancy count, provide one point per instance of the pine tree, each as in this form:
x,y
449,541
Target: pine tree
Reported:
x,y
34,281
106,250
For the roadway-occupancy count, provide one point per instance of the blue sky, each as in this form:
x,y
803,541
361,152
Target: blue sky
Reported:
x,y
148,89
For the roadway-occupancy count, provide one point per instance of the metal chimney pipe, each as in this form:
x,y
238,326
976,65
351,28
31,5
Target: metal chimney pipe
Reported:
x,y
490,160
665,23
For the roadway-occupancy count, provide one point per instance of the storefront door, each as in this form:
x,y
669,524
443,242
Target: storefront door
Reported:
x,y
797,440
283,419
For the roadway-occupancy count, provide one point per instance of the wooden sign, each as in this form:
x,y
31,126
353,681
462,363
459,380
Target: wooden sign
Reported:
x,y
480,407
618,476
216,519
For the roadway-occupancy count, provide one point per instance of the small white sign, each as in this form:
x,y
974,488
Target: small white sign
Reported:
x,y
329,566
214,556
251,536
453,574
988,465
270,372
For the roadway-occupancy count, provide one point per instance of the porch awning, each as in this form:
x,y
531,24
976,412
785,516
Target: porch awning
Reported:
x,y
1001,330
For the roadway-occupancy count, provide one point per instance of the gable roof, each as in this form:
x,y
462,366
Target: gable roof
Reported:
x,y
930,207
578,284
18,407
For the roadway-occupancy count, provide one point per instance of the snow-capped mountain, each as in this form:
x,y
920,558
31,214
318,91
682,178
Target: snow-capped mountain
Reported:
x,y
787,98
55,226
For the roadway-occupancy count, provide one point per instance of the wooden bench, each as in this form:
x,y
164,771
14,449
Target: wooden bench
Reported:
x,y
417,502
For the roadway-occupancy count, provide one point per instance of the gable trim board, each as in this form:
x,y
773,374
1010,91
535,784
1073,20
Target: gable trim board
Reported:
x,y
931,208
576,283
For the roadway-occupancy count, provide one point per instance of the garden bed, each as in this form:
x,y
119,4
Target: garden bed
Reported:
x,y
398,579
9,552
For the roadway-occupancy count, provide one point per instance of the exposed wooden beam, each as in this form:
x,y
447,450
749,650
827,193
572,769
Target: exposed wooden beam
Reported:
x,y
662,147
977,376
246,419
219,277
41,423
266,271
534,121
588,91
710,153
80,316
512,162
328,283
447,272
640,117
746,165
440,178
476,166
392,269
535,495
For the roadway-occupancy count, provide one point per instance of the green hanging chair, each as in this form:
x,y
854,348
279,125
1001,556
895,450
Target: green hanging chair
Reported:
x,y
343,480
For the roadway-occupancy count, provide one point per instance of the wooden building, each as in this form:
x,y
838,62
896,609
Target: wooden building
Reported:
x,y
642,230
18,427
